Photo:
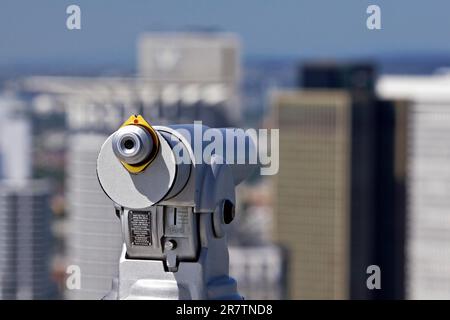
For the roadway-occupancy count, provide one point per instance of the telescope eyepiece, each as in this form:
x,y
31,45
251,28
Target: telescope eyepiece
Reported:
x,y
132,144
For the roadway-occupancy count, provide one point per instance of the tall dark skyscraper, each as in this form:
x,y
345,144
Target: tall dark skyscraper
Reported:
x,y
378,155
353,194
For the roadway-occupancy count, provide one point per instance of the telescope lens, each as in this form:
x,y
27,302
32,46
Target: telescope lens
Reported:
x,y
129,144
132,144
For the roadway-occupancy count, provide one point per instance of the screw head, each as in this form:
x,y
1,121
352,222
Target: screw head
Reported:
x,y
170,245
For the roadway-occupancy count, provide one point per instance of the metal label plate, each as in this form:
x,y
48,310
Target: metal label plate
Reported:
x,y
140,223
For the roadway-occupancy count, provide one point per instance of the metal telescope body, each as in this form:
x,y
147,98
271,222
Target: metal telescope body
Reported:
x,y
174,213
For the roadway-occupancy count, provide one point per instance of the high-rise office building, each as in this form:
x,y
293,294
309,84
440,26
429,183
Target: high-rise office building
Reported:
x,y
94,239
428,226
337,76
357,81
198,73
339,151
25,231
312,191
25,216
15,140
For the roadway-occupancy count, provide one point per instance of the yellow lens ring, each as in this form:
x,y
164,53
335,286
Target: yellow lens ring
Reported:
x,y
138,120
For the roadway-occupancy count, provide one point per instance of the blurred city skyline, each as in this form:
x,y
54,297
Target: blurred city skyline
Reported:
x,y
362,114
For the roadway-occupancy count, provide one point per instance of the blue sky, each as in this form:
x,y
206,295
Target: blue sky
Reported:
x,y
34,32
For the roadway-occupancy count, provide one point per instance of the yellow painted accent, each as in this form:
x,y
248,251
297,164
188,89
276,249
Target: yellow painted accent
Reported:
x,y
143,123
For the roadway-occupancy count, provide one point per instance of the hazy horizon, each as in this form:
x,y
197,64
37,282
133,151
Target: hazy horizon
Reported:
x,y
34,33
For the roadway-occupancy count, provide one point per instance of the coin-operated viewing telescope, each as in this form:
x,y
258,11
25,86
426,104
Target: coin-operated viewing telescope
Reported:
x,y
174,203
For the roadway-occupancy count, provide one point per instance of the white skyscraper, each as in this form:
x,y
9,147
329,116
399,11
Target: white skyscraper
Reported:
x,y
428,230
15,140
25,217
194,69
